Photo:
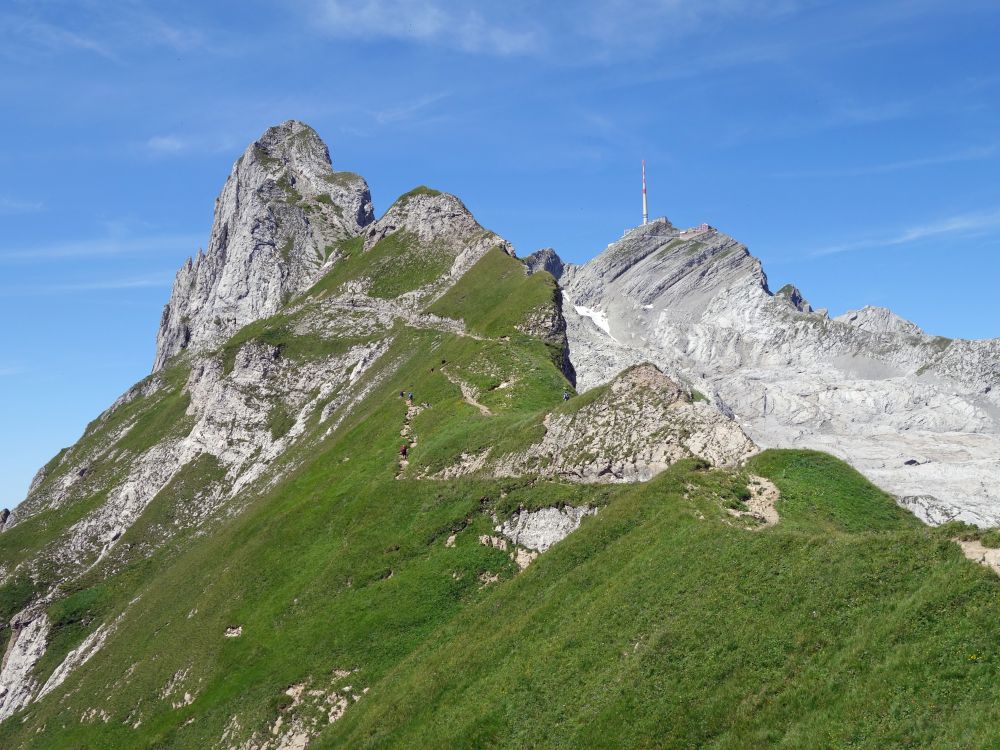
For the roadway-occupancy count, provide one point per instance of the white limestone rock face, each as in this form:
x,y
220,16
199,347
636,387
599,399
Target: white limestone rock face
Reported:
x,y
540,529
917,414
29,631
278,222
879,320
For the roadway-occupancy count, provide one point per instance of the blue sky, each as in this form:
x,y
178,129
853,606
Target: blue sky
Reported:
x,y
853,146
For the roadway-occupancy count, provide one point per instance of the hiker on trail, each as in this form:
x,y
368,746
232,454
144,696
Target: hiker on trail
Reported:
x,y
411,395
403,449
402,394
565,395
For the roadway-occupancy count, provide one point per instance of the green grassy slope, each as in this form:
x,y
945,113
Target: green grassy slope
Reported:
x,y
496,295
659,623
650,627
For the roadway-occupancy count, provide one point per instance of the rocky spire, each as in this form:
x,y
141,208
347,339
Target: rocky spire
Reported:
x,y
545,259
791,294
280,217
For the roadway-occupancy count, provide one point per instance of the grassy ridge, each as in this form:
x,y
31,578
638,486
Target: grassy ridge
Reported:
x,y
496,295
397,263
652,628
820,492
342,566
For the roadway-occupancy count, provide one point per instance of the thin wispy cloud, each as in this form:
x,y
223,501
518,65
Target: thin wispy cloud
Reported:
x,y
155,280
22,34
111,29
177,244
9,370
12,206
408,111
962,225
956,157
425,21
166,144
632,26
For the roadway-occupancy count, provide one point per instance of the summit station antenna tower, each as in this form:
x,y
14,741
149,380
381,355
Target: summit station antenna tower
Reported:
x,y
645,211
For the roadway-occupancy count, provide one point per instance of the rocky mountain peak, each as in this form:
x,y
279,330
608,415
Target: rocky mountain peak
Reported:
x,y
431,216
545,259
658,267
865,385
278,222
292,145
791,294
879,320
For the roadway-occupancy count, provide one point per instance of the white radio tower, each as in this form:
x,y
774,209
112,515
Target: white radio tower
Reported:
x,y
645,211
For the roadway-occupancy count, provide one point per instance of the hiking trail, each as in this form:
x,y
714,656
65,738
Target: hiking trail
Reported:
x,y
468,393
410,440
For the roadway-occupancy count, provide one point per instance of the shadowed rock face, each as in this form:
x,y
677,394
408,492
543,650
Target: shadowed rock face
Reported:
x,y
278,223
545,260
918,414
794,298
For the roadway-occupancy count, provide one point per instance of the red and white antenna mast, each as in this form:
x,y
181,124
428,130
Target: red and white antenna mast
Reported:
x,y
645,211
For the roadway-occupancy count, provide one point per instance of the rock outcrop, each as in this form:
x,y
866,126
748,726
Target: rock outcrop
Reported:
x,y
29,634
868,387
879,320
793,296
545,259
279,222
634,428
540,529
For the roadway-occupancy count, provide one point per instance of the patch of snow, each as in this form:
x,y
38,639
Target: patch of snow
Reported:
x,y
600,318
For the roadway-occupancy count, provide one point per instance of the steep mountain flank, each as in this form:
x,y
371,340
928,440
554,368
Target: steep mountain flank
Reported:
x,y
918,414
359,503
279,220
263,357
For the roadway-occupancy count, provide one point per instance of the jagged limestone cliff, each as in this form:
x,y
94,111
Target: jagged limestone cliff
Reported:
x,y
279,221
918,414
